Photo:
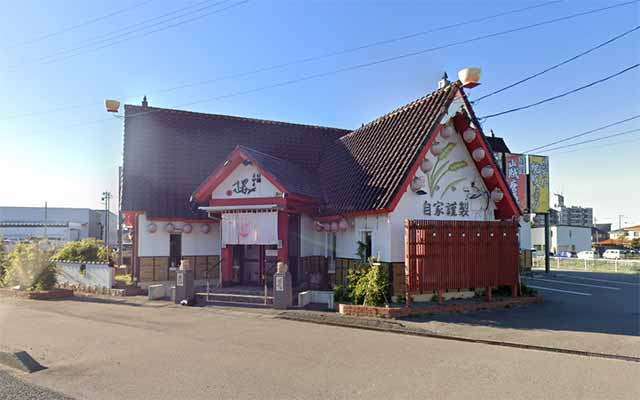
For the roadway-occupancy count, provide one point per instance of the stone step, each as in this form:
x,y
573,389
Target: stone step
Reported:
x,y
235,298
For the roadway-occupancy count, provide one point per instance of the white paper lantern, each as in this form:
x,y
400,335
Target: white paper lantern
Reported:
x,y
418,183
448,131
206,228
487,172
335,227
169,227
469,135
426,165
437,148
187,228
478,154
318,226
152,228
497,195
343,225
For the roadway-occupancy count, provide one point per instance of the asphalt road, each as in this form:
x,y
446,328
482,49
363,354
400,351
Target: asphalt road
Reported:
x,y
118,351
13,388
574,301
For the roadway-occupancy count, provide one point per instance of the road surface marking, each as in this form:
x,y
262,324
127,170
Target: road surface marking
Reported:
x,y
577,284
601,280
558,290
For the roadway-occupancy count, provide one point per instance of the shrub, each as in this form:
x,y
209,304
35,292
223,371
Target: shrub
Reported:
x,y
86,250
4,261
369,285
30,268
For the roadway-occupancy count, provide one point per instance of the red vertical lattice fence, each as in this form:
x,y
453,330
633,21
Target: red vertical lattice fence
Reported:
x,y
442,255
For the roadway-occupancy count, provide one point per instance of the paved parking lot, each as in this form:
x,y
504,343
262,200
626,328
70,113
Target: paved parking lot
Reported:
x,y
97,350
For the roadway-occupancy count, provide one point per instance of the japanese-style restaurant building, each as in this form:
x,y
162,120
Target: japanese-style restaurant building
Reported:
x,y
235,195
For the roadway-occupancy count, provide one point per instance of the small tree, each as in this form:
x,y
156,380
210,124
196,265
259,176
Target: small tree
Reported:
x,y
30,268
86,250
635,243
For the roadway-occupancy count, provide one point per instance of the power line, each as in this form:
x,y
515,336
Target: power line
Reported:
x,y
629,132
412,54
597,147
585,133
125,33
548,99
559,64
369,64
79,25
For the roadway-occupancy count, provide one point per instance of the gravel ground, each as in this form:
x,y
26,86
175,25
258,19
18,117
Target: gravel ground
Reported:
x,y
12,388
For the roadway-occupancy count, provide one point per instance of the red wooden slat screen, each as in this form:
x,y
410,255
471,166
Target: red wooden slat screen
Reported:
x,y
460,254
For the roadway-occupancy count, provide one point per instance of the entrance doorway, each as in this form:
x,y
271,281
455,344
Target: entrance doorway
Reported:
x,y
254,263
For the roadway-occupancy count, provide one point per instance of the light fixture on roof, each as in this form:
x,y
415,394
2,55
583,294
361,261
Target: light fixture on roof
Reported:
x,y
470,77
112,106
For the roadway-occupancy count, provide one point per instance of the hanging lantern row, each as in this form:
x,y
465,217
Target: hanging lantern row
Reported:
x,y
478,154
418,183
469,135
497,195
335,226
171,228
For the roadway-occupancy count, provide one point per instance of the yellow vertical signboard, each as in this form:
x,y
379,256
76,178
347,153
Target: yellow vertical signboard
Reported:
x,y
539,184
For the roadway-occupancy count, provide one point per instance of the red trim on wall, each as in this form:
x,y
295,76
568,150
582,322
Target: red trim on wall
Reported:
x,y
503,211
251,201
236,157
226,270
184,220
414,168
283,236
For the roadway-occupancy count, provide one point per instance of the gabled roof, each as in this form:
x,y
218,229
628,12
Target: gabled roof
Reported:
x,y
365,169
168,153
287,176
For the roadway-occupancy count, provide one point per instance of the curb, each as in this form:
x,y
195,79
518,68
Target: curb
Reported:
x,y
401,329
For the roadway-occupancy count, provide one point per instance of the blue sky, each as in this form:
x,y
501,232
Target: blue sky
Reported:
x,y
58,158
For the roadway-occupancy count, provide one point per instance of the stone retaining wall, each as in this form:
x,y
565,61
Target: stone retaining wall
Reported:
x,y
399,312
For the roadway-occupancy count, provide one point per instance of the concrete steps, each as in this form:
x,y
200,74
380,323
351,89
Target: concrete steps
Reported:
x,y
234,298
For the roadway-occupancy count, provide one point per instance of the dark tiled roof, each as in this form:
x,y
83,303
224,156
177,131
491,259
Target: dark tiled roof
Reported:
x,y
497,144
168,153
295,178
364,169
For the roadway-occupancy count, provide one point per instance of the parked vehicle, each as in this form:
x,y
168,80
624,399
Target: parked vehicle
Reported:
x,y
588,255
614,254
564,254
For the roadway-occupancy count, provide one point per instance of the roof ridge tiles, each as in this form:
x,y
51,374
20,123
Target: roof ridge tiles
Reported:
x,y
234,117
400,109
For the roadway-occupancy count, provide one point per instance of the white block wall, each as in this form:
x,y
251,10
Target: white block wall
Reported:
x,y
195,243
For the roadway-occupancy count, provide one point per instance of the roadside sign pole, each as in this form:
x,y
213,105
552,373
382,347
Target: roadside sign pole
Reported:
x,y
546,243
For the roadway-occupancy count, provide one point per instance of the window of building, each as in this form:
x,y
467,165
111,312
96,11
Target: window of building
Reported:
x,y
175,250
366,240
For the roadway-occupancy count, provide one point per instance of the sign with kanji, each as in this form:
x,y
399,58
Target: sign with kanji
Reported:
x,y
516,175
539,184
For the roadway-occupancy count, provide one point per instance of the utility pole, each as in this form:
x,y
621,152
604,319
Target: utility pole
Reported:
x,y
106,196
620,221
546,243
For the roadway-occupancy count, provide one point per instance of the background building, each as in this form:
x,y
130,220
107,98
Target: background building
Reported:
x,y
58,224
574,215
563,238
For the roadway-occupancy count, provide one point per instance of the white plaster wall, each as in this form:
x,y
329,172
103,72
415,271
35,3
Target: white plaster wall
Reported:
x,y
347,242
312,242
412,205
537,237
100,275
262,189
524,235
195,243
